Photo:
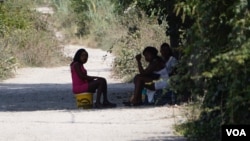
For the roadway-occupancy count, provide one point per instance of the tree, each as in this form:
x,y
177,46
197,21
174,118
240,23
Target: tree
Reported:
x,y
165,10
216,53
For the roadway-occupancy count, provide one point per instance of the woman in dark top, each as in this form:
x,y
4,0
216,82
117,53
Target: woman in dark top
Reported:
x,y
146,76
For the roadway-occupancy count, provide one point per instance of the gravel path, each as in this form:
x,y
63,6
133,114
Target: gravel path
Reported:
x,y
38,105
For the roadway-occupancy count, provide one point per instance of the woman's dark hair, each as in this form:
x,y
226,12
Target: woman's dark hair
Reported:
x,y
152,50
78,55
166,46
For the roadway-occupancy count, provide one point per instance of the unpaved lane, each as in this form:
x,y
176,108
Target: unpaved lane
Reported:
x,y
38,105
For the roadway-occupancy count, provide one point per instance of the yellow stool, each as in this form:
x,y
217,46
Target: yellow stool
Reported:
x,y
84,100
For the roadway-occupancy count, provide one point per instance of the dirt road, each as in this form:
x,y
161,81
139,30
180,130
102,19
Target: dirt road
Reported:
x,y
38,105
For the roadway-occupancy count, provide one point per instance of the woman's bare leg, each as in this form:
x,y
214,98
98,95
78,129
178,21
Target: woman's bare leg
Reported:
x,y
103,87
100,86
139,82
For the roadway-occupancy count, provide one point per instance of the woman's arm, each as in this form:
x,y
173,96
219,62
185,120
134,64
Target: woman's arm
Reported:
x,y
149,70
138,59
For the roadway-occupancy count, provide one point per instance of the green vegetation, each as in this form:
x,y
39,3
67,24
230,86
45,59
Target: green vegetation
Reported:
x,y
25,37
217,54
211,39
125,31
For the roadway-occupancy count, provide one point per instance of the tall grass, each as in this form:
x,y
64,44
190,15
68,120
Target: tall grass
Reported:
x,y
97,23
141,31
26,38
123,33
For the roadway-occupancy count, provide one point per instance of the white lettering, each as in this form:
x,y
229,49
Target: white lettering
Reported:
x,y
236,132
242,132
229,131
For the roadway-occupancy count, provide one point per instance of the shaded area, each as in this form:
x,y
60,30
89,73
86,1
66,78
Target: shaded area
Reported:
x,y
164,138
139,124
32,97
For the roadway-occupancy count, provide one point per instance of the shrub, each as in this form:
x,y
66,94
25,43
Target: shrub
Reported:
x,y
124,33
139,31
217,55
26,37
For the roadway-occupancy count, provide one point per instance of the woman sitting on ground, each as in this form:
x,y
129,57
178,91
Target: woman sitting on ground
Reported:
x,y
169,58
82,82
153,77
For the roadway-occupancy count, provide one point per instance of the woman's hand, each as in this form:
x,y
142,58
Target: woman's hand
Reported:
x,y
138,57
92,78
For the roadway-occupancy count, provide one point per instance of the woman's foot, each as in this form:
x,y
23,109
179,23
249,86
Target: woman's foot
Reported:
x,y
108,104
137,104
98,105
127,103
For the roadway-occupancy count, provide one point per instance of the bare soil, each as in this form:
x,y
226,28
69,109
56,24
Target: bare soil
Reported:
x,y
38,105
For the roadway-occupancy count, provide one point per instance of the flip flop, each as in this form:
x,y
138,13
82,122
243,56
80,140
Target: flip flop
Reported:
x,y
109,105
127,103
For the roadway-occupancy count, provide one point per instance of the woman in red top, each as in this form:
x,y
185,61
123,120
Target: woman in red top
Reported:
x,y
81,82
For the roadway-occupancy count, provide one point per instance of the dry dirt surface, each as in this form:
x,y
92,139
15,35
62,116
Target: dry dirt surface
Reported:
x,y
38,105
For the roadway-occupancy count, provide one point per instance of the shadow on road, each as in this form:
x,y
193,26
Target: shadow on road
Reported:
x,y
42,97
33,97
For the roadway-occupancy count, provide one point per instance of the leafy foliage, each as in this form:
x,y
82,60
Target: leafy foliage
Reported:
x,y
215,59
217,54
12,18
25,37
213,38
141,32
125,31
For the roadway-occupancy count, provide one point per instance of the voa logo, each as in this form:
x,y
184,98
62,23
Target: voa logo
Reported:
x,y
236,132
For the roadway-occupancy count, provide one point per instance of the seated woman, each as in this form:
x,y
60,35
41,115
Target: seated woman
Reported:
x,y
166,96
169,58
82,82
153,77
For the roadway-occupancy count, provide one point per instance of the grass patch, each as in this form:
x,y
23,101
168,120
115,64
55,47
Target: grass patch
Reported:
x,y
27,38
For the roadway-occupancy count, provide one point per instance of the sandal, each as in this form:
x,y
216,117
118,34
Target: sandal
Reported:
x,y
98,105
138,104
127,103
108,104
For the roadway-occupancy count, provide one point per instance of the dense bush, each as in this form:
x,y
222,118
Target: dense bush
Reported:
x,y
213,66
213,38
141,32
217,54
125,31
25,37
